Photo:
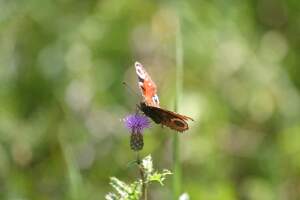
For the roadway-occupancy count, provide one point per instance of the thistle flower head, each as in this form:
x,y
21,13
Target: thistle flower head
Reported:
x,y
136,123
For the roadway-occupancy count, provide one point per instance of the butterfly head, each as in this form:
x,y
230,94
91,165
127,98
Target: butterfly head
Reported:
x,y
143,107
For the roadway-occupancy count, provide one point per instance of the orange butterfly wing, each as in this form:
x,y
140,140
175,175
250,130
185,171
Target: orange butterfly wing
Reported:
x,y
146,85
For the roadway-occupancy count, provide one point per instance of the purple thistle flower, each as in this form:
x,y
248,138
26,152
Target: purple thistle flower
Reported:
x,y
136,123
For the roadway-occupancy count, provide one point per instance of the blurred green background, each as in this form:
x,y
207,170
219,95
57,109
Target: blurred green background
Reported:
x,y
62,64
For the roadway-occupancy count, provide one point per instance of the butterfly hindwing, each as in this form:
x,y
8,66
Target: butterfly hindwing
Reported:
x,y
167,118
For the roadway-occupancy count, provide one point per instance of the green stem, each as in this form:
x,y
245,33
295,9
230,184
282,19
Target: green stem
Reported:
x,y
74,176
176,168
142,174
179,80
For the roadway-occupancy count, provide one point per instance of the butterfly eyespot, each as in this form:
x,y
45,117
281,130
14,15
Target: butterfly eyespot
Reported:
x,y
155,99
178,123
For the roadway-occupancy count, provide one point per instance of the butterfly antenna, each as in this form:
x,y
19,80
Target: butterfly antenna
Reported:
x,y
130,89
133,92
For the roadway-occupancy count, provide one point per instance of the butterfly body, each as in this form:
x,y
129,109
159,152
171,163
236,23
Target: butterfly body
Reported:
x,y
150,106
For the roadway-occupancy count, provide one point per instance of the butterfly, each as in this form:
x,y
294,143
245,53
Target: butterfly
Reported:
x,y
150,105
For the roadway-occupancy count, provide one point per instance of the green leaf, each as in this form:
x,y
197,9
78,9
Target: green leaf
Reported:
x,y
159,177
124,191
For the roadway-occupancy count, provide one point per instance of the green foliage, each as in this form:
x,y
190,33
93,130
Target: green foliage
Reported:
x,y
62,64
159,177
133,191
150,174
124,191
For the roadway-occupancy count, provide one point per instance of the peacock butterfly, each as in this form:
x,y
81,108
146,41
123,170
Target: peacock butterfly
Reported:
x,y
150,105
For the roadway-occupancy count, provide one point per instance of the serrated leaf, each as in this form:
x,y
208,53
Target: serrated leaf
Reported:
x,y
111,196
125,191
122,188
159,177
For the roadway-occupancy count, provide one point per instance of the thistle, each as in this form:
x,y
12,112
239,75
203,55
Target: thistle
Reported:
x,y
136,124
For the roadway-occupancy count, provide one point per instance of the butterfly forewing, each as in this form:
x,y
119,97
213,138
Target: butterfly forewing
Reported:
x,y
146,85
